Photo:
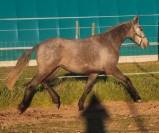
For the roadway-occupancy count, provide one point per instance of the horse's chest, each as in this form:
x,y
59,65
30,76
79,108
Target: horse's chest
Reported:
x,y
108,57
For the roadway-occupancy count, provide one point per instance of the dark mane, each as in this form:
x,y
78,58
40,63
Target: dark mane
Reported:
x,y
124,27
119,31
125,24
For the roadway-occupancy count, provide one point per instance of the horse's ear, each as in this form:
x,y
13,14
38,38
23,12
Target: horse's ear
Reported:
x,y
136,19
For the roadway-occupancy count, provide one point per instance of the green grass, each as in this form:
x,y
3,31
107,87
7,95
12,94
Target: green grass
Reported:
x,y
71,89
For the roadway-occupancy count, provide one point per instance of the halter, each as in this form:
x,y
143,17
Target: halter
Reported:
x,y
141,37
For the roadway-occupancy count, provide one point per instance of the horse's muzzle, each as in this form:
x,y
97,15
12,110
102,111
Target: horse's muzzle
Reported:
x,y
144,43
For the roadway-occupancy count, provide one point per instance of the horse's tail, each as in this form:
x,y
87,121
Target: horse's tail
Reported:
x,y
22,62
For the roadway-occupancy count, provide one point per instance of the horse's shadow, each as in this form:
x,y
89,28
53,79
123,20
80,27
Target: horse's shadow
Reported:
x,y
95,116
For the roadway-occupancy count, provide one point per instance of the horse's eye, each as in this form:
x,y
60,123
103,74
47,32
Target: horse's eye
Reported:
x,y
140,28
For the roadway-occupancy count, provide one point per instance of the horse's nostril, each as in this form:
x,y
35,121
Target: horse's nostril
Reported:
x,y
145,42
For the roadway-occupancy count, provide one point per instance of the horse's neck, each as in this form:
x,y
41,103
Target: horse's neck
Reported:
x,y
118,34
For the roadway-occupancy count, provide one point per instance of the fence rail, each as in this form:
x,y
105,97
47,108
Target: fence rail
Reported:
x,y
77,17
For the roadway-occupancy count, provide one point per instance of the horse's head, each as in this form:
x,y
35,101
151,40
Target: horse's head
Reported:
x,y
137,34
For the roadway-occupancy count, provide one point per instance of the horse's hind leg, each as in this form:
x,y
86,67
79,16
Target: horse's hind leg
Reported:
x,y
30,91
88,88
31,88
127,83
53,94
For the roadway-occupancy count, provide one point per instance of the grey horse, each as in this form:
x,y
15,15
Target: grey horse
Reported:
x,y
90,56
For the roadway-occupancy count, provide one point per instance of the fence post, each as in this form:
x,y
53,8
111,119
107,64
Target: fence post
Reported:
x,y
77,28
93,29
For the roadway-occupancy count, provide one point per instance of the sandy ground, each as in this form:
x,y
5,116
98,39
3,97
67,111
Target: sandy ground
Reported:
x,y
113,117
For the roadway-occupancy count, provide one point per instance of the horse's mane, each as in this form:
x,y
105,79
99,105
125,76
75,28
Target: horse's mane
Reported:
x,y
117,26
113,28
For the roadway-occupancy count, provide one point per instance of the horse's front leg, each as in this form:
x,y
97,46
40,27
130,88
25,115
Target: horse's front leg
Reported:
x,y
88,88
127,83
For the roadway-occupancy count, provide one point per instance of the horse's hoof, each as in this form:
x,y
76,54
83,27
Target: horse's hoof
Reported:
x,y
80,107
21,108
58,105
139,101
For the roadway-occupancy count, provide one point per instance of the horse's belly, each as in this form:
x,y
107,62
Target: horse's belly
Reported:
x,y
82,68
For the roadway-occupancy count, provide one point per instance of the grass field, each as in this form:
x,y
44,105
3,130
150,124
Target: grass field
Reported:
x,y
108,89
120,116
